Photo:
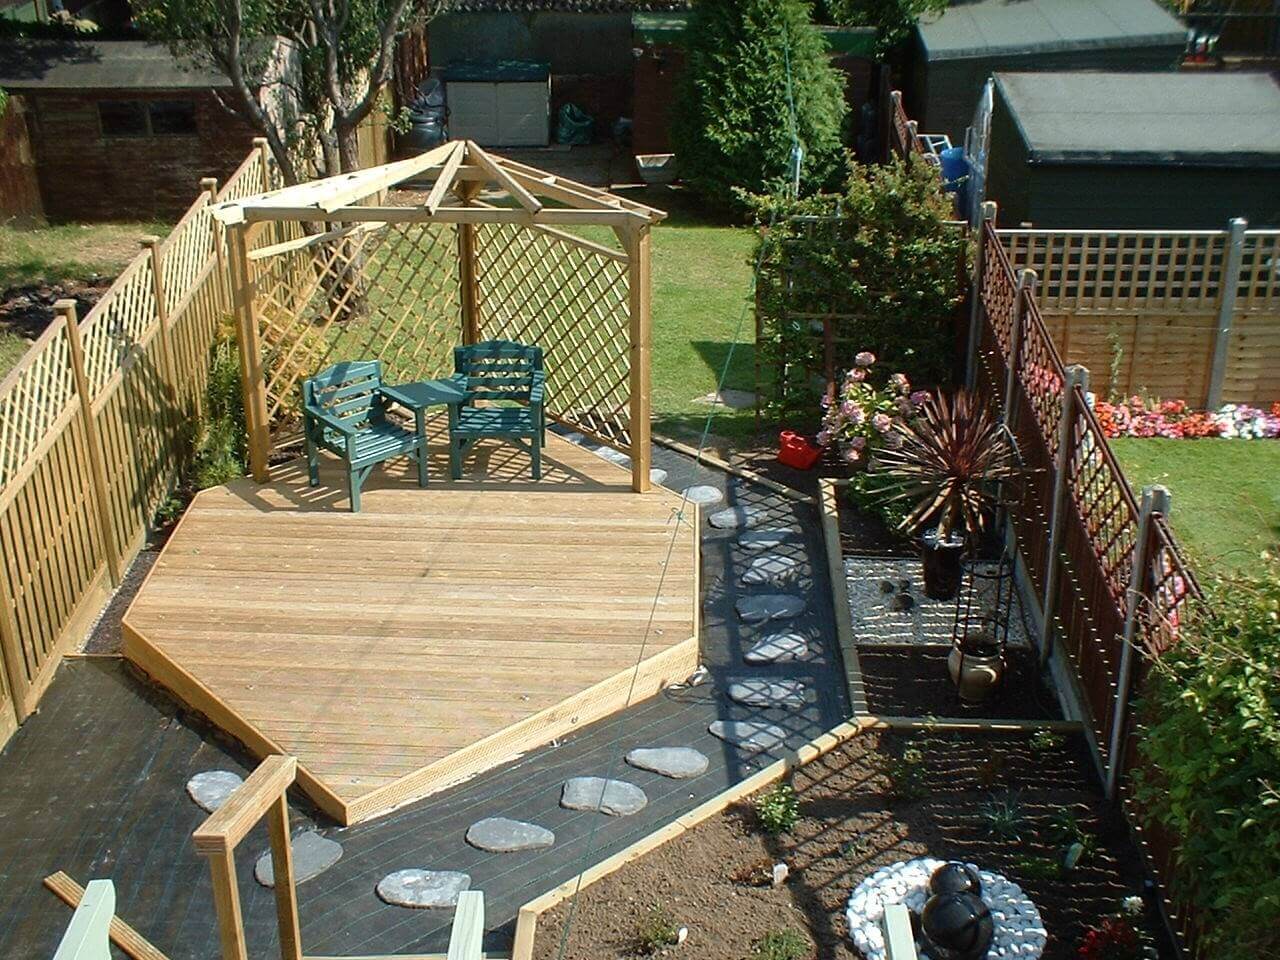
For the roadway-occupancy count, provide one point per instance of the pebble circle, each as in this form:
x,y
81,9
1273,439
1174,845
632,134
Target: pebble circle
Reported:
x,y
1019,932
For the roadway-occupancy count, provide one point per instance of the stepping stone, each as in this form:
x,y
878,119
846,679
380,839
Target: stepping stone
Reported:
x,y
738,518
613,456
733,399
769,539
575,437
768,693
423,888
769,606
657,476
750,735
312,856
211,788
678,763
779,648
503,835
772,569
617,798
703,493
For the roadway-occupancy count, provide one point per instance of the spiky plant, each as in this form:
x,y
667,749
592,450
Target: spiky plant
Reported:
x,y
944,462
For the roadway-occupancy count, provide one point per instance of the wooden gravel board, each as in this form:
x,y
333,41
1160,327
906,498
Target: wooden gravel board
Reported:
x,y
830,510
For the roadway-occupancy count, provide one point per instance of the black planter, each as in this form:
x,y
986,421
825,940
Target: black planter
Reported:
x,y
942,570
957,926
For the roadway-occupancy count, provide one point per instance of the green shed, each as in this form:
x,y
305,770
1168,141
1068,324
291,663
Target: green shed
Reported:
x,y
957,51
1140,150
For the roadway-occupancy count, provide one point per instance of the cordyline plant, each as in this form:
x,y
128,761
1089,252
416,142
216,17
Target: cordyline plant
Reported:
x,y
949,455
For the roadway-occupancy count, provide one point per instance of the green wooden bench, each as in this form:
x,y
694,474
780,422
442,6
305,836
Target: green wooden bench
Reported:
x,y
344,411
510,380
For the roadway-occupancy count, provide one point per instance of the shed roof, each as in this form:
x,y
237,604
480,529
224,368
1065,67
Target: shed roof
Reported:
x,y
978,28
1194,119
100,65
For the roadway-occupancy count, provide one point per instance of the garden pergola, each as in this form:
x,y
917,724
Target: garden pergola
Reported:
x,y
340,269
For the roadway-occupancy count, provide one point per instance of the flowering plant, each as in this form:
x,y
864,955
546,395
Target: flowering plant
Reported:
x,y
1139,417
861,418
1116,938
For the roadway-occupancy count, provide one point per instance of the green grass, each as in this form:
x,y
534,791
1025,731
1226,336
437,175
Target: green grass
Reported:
x,y
1226,494
69,250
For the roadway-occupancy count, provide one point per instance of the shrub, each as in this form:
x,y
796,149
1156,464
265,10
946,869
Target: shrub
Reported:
x,y
907,775
220,448
879,259
657,931
1209,742
785,944
1003,817
733,129
893,19
778,809
1046,741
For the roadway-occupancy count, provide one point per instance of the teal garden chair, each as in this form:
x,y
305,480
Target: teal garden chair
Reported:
x,y
510,380
344,411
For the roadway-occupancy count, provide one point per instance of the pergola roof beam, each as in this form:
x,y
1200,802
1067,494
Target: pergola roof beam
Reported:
x,y
504,179
475,214
447,174
585,190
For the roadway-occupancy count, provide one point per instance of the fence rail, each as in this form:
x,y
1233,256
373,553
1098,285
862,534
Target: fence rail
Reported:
x,y
1105,566
96,421
1192,314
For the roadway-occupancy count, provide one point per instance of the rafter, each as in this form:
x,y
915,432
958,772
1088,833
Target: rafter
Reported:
x,y
447,174
504,179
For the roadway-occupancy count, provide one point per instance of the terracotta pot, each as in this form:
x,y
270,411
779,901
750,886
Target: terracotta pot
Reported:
x,y
942,571
976,670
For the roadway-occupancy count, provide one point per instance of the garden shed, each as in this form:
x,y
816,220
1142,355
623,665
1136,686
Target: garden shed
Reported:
x,y
956,52
1148,150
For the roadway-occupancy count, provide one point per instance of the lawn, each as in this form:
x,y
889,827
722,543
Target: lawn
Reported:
x,y
69,250
1226,494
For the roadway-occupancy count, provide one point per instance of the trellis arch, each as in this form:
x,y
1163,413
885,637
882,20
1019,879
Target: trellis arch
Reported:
x,y
331,270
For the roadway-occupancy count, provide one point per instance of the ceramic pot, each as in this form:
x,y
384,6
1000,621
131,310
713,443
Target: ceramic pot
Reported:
x,y
977,669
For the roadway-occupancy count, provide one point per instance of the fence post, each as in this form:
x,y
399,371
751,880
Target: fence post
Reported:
x,y
1077,376
263,147
253,386
1026,290
975,296
1155,499
97,460
168,365
1226,310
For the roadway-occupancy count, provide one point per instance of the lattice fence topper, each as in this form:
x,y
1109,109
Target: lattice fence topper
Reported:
x,y
573,301
389,291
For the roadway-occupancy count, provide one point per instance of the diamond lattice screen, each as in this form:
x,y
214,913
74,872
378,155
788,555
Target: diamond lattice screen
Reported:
x,y
572,301
384,291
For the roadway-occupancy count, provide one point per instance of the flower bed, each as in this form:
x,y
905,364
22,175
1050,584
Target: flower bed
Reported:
x,y
1139,417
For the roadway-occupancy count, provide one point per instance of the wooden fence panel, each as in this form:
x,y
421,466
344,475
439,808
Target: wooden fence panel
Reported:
x,y
77,492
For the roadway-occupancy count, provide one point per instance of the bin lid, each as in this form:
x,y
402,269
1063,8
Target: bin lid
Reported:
x,y
497,71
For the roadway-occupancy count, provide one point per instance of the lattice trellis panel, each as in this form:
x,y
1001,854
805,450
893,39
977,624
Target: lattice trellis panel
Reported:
x,y
573,302
36,395
389,292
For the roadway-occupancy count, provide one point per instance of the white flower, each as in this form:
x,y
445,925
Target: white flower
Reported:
x,y
1131,905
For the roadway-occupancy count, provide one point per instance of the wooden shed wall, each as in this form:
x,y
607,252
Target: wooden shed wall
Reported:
x,y
19,186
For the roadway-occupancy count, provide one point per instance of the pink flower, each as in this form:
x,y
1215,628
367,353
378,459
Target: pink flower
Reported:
x,y
858,443
905,407
882,422
920,398
824,437
853,412
857,375
900,383
865,359
851,455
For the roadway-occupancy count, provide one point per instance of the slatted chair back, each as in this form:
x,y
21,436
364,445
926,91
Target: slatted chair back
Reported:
x,y
348,391
498,369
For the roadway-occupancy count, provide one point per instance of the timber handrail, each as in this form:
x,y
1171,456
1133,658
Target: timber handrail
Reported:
x,y
229,824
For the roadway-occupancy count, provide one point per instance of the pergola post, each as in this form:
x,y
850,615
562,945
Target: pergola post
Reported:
x,y
467,267
636,241
253,386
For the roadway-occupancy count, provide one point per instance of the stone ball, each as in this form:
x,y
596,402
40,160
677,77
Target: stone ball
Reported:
x,y
955,877
957,926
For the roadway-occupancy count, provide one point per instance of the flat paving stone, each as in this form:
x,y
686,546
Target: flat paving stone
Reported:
x,y
755,692
769,538
504,835
703,493
613,456
312,856
779,648
738,518
423,888
678,763
657,475
772,569
617,798
769,606
211,788
750,735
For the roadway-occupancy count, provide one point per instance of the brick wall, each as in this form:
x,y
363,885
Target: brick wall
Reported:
x,y
84,176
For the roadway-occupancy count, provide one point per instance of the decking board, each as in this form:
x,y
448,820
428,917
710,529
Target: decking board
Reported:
x,y
431,636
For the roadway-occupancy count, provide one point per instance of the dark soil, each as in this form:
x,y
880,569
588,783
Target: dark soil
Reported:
x,y
851,823
912,681
105,635
27,310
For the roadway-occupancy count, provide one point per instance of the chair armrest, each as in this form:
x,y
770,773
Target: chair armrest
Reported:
x,y
329,420
537,391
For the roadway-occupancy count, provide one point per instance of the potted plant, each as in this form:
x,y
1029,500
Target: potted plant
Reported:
x,y
943,462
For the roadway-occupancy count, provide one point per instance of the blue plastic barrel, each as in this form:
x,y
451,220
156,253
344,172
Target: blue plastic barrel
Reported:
x,y
955,168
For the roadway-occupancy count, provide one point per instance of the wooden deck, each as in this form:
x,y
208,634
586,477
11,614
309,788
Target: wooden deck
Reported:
x,y
435,634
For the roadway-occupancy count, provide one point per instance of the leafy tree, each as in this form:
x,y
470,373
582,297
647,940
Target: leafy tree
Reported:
x,y
893,19
346,51
748,62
